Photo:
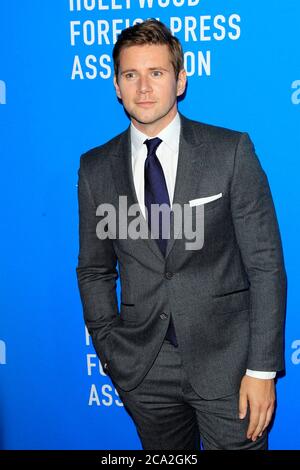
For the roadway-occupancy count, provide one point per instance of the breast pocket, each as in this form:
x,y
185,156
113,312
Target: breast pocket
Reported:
x,y
207,202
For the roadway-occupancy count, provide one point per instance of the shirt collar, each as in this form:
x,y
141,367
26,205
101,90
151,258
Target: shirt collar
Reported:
x,y
169,135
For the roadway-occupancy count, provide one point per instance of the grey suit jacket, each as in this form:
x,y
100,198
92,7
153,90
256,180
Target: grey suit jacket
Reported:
x,y
227,299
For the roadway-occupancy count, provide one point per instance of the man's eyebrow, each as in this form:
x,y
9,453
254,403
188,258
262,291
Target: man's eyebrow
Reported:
x,y
158,68
128,70
150,68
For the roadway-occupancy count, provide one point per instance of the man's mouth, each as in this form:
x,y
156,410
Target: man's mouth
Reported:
x,y
145,104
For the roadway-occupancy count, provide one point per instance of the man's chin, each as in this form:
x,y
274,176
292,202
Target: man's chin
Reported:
x,y
146,117
149,116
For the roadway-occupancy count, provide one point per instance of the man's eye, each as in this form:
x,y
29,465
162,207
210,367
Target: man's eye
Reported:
x,y
157,73
129,75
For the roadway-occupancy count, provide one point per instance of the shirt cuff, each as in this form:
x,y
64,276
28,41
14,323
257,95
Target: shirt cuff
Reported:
x,y
260,374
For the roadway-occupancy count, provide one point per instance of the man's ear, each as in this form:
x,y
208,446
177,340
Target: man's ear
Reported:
x,y
181,82
117,88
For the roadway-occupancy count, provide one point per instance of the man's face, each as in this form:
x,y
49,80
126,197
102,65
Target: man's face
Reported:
x,y
147,86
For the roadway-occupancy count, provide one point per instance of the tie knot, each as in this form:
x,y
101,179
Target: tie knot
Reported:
x,y
152,144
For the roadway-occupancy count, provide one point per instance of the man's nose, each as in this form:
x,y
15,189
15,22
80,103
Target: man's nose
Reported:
x,y
144,85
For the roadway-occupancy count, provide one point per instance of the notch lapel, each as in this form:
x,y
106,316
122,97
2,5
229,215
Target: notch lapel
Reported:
x,y
122,174
191,157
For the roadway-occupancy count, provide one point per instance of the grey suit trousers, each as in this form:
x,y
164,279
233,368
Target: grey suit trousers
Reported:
x,y
170,415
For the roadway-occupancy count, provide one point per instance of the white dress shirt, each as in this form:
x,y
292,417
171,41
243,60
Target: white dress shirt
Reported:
x,y
167,154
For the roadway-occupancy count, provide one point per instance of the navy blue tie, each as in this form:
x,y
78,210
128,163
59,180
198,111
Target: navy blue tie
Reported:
x,y
156,192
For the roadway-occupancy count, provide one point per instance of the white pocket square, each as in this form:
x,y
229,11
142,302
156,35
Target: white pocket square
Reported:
x,y
204,200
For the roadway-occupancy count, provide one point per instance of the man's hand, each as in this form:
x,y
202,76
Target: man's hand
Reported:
x,y
261,396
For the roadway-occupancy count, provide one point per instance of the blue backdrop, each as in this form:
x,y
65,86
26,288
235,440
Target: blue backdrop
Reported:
x,y
57,101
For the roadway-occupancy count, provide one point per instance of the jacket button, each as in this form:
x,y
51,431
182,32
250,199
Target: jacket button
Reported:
x,y
163,316
168,275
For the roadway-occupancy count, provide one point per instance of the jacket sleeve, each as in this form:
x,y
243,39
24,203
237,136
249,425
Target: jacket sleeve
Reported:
x,y
96,270
259,240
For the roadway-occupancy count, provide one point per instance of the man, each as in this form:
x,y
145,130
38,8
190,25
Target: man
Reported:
x,y
199,338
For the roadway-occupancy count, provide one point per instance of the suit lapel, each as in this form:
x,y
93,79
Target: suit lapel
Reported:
x,y
122,173
190,159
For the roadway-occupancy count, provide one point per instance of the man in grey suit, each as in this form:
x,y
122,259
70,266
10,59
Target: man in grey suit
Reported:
x,y
199,337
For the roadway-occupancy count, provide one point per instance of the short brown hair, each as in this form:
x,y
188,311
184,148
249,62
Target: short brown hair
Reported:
x,y
150,31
